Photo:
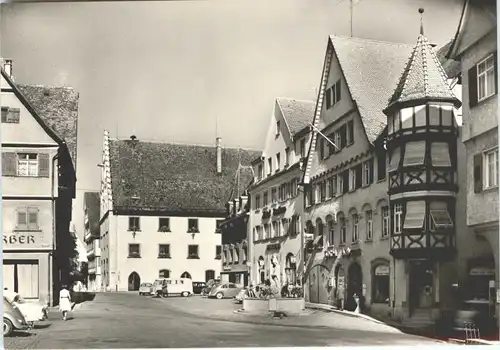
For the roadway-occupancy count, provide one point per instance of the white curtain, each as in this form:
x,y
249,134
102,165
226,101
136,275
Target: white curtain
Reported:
x,y
27,279
8,277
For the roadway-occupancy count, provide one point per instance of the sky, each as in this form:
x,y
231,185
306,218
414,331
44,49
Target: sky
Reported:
x,y
186,71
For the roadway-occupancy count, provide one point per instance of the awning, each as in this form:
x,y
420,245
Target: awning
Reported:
x,y
394,162
415,214
441,218
414,153
440,154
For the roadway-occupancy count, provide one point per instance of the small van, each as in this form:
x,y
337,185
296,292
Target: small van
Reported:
x,y
179,286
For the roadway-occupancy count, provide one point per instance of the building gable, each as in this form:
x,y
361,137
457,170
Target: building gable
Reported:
x,y
25,126
477,20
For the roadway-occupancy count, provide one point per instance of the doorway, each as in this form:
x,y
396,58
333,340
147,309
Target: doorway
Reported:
x,y
421,283
318,284
134,282
354,285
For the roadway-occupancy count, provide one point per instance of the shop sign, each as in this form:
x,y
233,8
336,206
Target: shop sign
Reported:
x,y
382,270
481,271
16,239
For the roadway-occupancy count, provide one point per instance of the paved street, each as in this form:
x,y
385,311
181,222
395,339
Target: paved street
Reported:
x,y
125,320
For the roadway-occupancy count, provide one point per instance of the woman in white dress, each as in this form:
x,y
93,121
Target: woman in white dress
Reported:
x,y
64,301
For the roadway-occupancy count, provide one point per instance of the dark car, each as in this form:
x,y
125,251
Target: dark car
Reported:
x,y
198,287
210,284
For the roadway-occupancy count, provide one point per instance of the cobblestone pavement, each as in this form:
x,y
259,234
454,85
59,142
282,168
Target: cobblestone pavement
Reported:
x,y
124,320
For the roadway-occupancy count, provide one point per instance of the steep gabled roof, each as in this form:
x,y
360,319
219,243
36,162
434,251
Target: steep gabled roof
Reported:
x,y
423,79
451,67
175,178
93,205
371,69
58,107
297,113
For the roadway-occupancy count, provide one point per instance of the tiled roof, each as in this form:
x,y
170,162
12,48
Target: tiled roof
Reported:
x,y
297,113
176,178
423,78
93,205
371,69
450,66
58,107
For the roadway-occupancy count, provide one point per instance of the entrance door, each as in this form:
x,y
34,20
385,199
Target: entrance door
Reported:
x,y
134,282
421,285
318,284
354,285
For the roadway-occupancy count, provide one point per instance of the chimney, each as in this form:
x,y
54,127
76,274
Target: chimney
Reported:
x,y
243,202
133,137
236,208
230,206
219,155
7,67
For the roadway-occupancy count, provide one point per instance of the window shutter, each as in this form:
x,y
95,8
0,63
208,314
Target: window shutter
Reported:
x,y
370,169
359,175
322,148
343,140
43,165
478,173
350,130
337,91
473,86
328,98
495,57
395,158
9,164
21,219
345,182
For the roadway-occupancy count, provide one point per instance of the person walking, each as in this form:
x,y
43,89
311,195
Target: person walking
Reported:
x,y
64,301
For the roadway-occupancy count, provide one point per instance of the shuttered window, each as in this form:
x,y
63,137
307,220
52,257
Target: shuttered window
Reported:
x,y
394,163
439,215
338,141
338,91
350,132
359,176
478,173
27,219
345,181
414,153
322,148
343,136
415,214
440,154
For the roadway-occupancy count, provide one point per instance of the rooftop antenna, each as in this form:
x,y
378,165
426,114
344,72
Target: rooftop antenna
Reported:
x,y
351,10
421,11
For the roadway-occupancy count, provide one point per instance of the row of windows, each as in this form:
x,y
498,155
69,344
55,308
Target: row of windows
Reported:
x,y
134,224
233,256
414,154
134,251
277,228
342,137
349,180
280,193
415,117
27,219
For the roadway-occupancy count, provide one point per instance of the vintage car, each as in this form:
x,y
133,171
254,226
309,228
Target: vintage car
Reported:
x,y
198,287
13,318
146,289
224,290
33,311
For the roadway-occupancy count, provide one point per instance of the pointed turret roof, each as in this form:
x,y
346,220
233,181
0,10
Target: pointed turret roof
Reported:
x,y
423,79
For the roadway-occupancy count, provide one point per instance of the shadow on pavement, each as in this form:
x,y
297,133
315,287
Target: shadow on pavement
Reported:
x,y
20,334
42,326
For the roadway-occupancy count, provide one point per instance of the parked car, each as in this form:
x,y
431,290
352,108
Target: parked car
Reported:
x,y
178,286
209,286
224,290
158,287
198,287
13,318
146,288
32,311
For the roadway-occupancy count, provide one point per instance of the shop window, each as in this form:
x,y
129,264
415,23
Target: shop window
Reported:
x,y
415,215
380,288
21,277
414,153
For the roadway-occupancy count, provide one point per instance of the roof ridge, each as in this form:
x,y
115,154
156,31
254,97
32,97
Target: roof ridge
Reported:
x,y
49,86
182,144
294,99
370,40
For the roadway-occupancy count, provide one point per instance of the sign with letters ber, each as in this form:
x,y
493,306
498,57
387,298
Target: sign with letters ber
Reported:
x,y
18,240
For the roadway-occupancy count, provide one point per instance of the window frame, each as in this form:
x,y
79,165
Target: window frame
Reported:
x,y
164,228
343,230
134,254
485,74
366,173
352,179
369,224
386,220
25,212
193,228
131,226
194,255
28,163
355,227
164,255
398,218
218,252
486,179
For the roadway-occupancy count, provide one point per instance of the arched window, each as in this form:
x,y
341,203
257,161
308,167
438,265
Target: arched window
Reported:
x,y
291,269
164,273
209,275
319,232
353,214
380,282
309,227
330,229
368,213
186,275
